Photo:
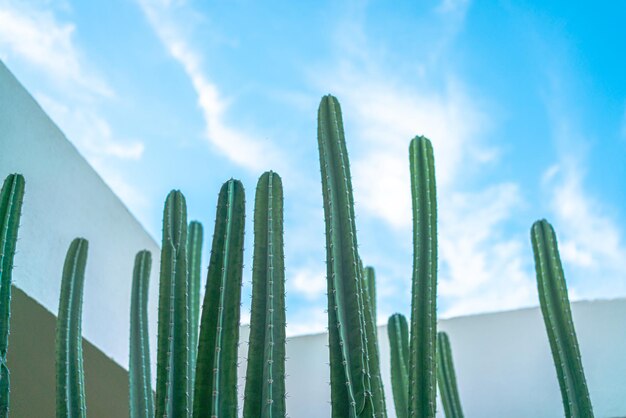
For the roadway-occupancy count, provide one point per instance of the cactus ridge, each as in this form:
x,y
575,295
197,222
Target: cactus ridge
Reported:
x,y
215,392
172,397
194,264
141,397
370,281
422,360
11,199
350,378
447,378
373,354
558,320
398,331
265,377
70,398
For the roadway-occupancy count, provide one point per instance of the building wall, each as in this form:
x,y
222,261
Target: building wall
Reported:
x,y
64,199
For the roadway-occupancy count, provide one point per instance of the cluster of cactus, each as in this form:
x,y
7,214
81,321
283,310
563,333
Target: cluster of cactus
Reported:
x,y
197,352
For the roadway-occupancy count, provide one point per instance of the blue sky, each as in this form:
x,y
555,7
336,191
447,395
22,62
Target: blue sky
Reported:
x,y
524,101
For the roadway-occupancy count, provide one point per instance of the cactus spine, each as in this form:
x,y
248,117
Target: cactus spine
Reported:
x,y
422,359
558,319
447,378
141,397
11,198
398,331
70,383
265,376
349,371
173,327
215,393
194,264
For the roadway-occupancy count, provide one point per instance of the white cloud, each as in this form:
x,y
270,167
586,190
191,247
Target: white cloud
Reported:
x,y
482,268
590,241
307,282
69,90
90,131
240,147
36,37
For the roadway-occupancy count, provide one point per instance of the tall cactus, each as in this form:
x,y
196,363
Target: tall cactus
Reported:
x,y
172,398
141,397
559,324
194,265
265,376
422,359
447,378
70,384
215,393
398,331
11,198
373,355
349,369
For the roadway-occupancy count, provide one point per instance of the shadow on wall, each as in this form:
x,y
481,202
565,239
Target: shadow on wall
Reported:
x,y
31,359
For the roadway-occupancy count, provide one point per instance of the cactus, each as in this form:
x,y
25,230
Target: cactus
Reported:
x,y
265,376
447,378
558,319
373,355
70,382
141,397
215,393
349,369
398,331
422,346
11,199
370,281
173,326
194,265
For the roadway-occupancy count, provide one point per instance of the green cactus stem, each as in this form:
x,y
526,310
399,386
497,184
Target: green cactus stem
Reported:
x,y
559,324
423,335
398,331
141,396
447,378
215,394
194,264
265,376
70,384
172,398
370,281
11,198
373,355
349,368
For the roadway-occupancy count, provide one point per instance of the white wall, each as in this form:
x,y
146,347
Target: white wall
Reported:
x,y
65,199
503,364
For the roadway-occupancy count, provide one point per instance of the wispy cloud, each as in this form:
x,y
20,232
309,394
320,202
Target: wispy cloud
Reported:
x,y
479,262
307,282
591,242
240,147
37,37
38,41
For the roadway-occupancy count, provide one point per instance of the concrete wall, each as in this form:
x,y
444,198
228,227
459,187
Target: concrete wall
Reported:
x,y
64,199
503,364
